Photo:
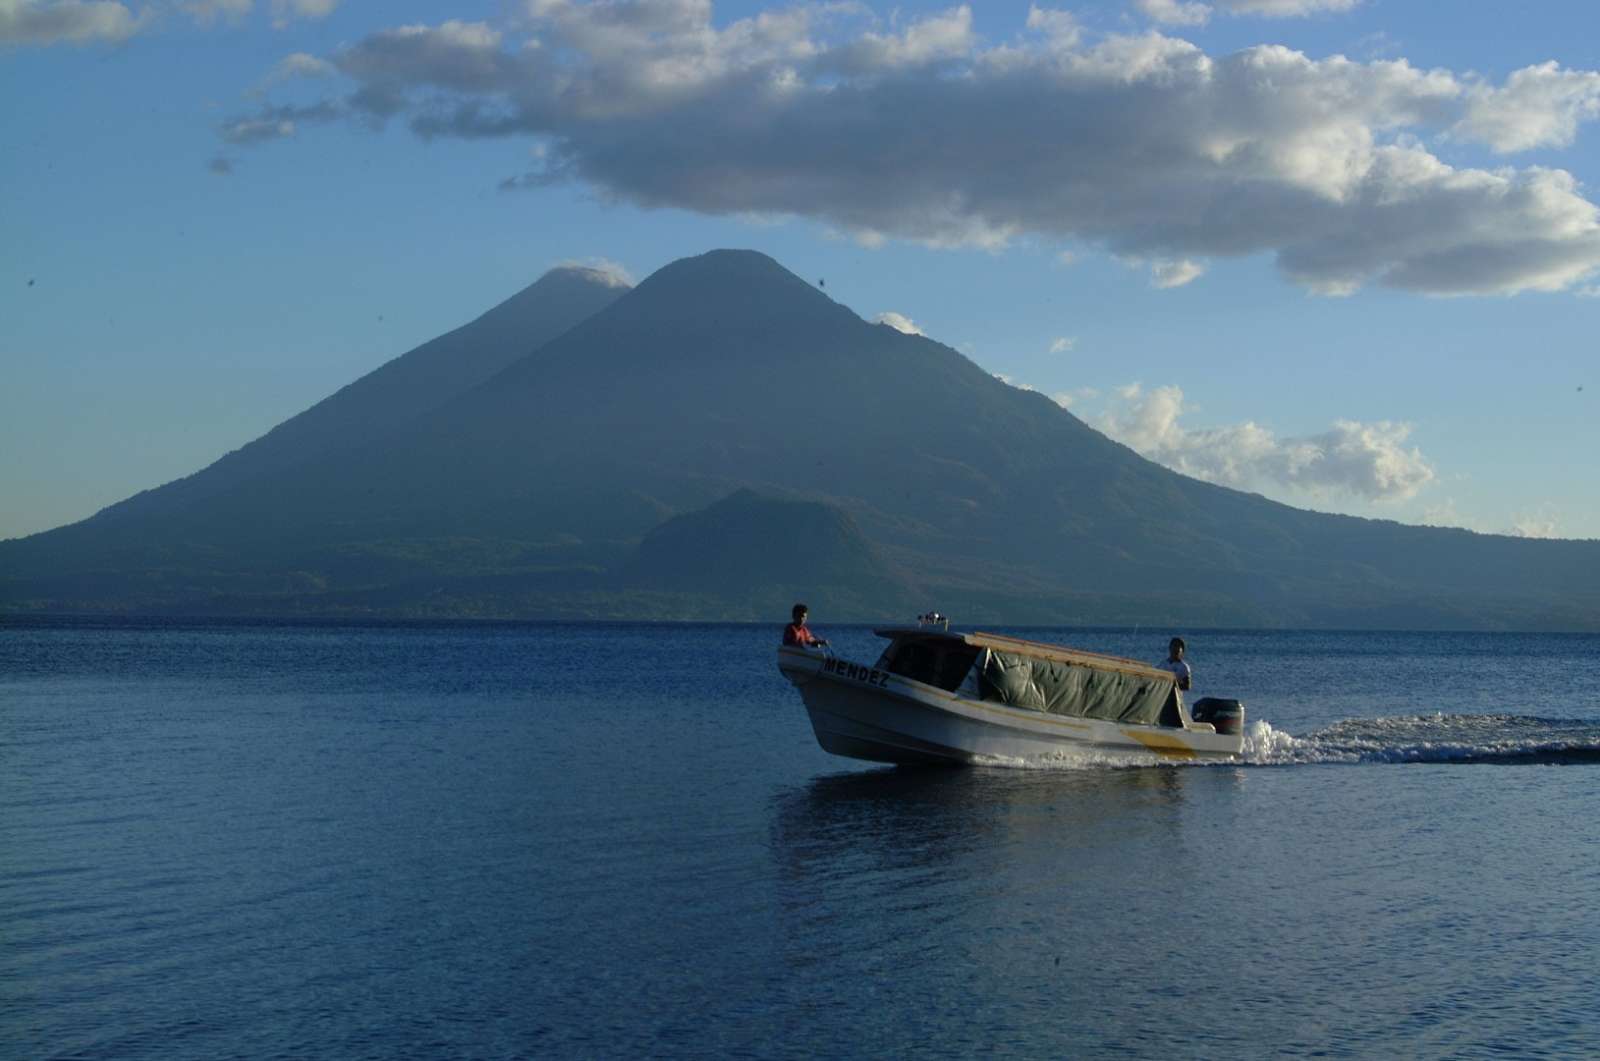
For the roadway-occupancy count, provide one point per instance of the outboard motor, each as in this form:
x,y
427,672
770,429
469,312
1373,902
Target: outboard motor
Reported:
x,y
1226,715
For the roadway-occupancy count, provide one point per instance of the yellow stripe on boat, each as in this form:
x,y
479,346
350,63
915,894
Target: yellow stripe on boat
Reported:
x,y
1161,743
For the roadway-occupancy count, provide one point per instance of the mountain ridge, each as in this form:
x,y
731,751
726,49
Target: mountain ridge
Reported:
x,y
726,373
409,385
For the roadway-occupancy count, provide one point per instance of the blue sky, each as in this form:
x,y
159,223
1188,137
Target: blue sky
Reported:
x,y
1364,284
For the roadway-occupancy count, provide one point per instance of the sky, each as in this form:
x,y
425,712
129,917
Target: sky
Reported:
x,y
1342,253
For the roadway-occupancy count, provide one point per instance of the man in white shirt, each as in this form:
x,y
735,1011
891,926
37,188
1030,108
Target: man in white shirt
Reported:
x,y
1174,663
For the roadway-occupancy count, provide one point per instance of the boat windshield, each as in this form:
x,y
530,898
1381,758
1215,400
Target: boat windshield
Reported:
x,y
940,662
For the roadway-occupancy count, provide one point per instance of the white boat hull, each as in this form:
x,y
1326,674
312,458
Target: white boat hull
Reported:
x,y
864,713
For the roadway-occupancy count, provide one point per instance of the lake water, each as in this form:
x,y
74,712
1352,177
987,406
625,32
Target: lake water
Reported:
x,y
501,841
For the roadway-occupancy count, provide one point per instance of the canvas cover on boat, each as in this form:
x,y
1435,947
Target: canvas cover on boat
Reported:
x,y
1078,689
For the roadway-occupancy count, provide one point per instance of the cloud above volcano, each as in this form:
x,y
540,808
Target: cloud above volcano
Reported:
x,y
1141,145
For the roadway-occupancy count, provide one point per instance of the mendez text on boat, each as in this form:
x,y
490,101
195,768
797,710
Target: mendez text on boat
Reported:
x,y
941,697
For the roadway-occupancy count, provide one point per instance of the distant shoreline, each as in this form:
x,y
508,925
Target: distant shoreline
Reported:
x,y
151,620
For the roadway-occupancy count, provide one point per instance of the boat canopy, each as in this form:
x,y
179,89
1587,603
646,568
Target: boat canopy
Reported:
x,y
1040,677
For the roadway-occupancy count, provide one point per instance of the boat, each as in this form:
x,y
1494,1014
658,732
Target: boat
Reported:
x,y
938,697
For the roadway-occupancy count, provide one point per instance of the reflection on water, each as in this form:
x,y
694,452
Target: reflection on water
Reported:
x,y
1045,887
909,817
875,847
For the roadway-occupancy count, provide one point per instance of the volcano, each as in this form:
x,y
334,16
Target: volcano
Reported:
x,y
722,438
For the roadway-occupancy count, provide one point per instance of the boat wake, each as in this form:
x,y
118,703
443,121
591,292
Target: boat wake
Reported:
x,y
1437,738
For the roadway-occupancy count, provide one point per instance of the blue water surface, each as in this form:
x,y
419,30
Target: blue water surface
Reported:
x,y
503,841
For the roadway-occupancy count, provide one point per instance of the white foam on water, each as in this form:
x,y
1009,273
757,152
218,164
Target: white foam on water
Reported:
x,y
1262,746
1265,746
1436,738
1442,738
1074,759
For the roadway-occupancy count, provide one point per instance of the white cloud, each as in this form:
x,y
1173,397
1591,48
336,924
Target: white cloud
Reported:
x,y
1286,8
1067,399
605,270
297,65
1175,12
1378,45
1445,514
275,123
1186,13
1141,146
286,11
206,12
1166,274
1539,106
1063,344
42,22
301,64
928,40
1367,460
46,22
1059,27
1541,524
458,56
899,322
639,56
257,130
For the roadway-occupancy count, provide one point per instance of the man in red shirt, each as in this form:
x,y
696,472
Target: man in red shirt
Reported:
x,y
797,634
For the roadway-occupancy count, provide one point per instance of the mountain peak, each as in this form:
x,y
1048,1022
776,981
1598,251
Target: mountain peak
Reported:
x,y
729,259
732,286
585,289
728,266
